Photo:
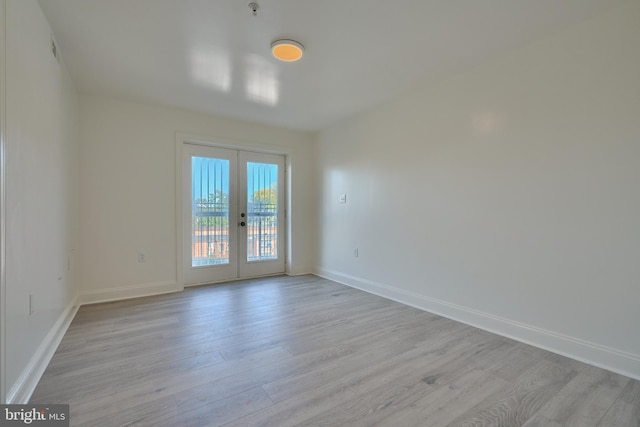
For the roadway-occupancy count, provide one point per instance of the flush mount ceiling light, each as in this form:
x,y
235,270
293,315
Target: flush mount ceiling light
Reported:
x,y
287,50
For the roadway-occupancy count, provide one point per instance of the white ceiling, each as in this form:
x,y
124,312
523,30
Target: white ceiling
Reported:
x,y
213,56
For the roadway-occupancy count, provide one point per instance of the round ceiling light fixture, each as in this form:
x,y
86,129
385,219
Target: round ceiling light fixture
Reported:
x,y
287,50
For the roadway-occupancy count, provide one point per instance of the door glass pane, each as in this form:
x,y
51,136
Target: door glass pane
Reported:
x,y
210,211
262,211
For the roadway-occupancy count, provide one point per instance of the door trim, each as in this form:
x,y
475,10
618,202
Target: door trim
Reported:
x,y
232,144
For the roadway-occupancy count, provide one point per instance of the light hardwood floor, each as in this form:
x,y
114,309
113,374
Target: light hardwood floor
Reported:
x,y
304,351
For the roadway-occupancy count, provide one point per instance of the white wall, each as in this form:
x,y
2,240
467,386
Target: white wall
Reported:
x,y
507,196
3,288
41,195
128,192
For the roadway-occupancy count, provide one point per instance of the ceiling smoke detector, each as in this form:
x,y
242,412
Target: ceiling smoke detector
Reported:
x,y
254,8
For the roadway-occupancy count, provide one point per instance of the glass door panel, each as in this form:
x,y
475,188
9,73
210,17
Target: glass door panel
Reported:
x,y
210,211
262,211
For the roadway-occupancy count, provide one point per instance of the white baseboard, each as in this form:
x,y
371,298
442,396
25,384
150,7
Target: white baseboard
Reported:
x,y
24,387
300,271
126,292
575,348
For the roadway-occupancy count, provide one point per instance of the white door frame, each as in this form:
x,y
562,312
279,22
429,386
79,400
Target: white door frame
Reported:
x,y
228,143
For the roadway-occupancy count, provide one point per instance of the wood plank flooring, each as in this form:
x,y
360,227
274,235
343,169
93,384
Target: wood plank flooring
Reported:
x,y
305,351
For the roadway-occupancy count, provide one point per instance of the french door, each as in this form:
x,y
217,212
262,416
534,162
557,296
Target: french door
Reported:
x,y
233,214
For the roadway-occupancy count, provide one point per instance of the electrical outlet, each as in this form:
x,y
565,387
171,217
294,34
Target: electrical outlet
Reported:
x,y
141,257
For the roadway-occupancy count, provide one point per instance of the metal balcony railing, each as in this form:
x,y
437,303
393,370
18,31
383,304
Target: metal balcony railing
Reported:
x,y
210,233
